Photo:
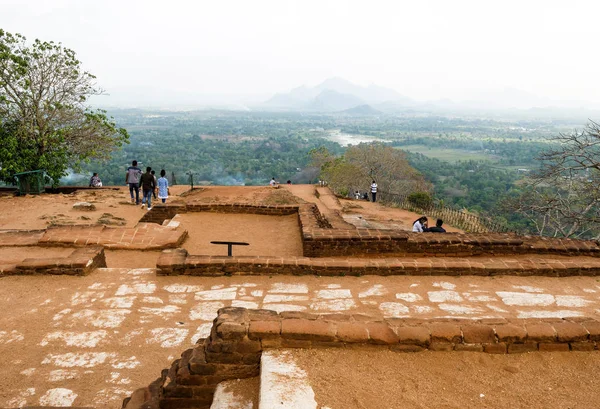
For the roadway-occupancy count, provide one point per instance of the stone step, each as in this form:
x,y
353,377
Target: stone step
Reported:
x,y
283,384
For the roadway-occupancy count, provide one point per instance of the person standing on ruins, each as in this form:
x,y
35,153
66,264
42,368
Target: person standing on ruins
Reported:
x,y
148,186
132,177
374,191
163,187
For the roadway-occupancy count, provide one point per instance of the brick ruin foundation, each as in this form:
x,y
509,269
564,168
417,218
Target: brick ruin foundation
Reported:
x,y
238,337
81,261
352,251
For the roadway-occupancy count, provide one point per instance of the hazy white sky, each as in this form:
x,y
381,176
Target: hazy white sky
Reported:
x,y
425,49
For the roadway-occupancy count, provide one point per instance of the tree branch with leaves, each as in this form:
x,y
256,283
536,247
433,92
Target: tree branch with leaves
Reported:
x,y
562,198
45,121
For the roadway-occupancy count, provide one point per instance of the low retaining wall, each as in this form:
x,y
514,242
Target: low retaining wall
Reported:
x,y
239,336
179,262
332,243
163,211
320,240
81,262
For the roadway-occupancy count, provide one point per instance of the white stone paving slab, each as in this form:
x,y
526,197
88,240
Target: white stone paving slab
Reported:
x,y
284,385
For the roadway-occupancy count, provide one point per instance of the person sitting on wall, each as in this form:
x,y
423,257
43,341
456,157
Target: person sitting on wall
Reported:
x,y
357,195
273,183
95,180
420,225
438,227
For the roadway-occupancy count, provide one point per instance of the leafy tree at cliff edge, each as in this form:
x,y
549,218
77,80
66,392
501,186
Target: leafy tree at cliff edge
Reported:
x,y
45,122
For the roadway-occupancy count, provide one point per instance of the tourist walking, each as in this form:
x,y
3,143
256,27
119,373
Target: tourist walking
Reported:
x,y
132,177
374,191
420,225
163,187
148,186
155,183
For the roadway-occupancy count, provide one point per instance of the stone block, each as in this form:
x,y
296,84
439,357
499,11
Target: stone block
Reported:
x,y
231,330
271,342
593,328
352,332
441,346
298,315
522,348
567,331
510,333
178,391
553,347
263,315
583,346
247,346
540,332
233,314
84,206
380,333
478,334
445,332
497,348
264,329
304,329
413,335
468,347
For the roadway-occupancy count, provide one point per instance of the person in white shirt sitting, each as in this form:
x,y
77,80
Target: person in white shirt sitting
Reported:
x,y
420,225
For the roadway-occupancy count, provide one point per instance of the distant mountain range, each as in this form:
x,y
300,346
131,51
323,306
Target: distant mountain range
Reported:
x,y
339,95
334,94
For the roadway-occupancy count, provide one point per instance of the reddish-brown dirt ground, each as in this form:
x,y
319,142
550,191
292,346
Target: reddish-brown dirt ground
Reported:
x,y
378,378
13,255
38,212
266,235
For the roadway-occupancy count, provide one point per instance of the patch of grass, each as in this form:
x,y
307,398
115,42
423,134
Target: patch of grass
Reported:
x,y
449,155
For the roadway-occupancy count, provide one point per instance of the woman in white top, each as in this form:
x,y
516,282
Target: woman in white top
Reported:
x,y
163,187
420,225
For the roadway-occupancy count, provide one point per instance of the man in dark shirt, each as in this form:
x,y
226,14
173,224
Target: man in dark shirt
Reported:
x,y
438,227
148,186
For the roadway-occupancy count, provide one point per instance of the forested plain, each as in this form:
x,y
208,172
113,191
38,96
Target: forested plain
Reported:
x,y
248,148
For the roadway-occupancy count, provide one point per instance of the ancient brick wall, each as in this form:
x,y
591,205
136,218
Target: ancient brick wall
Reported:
x,y
81,261
163,211
239,336
179,262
